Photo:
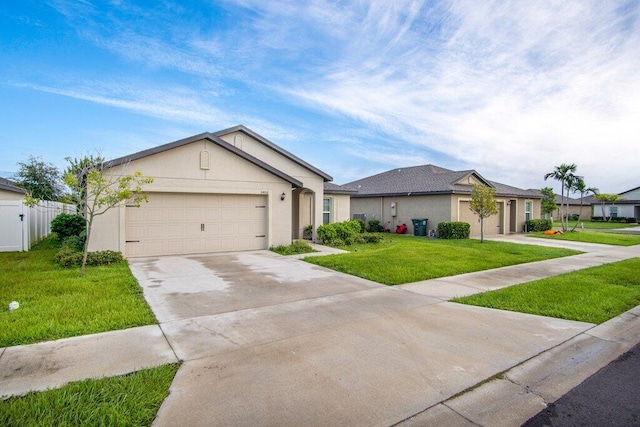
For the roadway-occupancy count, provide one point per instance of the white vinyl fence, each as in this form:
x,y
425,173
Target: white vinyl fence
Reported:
x,y
21,226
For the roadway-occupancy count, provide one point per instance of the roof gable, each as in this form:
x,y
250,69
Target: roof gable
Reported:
x,y
213,139
243,129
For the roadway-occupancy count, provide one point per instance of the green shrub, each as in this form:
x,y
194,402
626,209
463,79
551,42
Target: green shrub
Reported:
x,y
66,225
339,233
374,226
538,225
597,219
363,228
66,257
454,230
75,243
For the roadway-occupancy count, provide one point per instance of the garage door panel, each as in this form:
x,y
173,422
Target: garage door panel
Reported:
x,y
192,223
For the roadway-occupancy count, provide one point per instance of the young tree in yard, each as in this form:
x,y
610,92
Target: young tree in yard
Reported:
x,y
97,193
40,179
565,175
578,186
483,204
548,201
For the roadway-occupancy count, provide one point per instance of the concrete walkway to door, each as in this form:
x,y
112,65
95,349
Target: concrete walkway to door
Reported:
x,y
272,340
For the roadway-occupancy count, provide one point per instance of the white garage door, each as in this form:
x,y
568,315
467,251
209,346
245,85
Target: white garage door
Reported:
x,y
492,224
179,223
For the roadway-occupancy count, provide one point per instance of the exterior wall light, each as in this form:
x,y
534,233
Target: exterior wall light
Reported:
x,y
282,196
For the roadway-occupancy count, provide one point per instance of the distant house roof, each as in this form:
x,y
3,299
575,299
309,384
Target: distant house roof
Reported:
x,y
428,179
331,188
8,185
215,139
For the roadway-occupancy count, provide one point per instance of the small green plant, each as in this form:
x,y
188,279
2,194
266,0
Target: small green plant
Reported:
x,y
295,248
454,230
75,243
67,225
307,233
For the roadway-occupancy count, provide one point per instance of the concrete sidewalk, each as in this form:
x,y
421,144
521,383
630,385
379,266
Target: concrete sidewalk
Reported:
x,y
359,346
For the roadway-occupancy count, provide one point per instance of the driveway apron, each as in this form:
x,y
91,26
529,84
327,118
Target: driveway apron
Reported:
x,y
272,340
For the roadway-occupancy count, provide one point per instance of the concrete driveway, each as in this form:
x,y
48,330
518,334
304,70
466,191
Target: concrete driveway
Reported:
x,y
270,340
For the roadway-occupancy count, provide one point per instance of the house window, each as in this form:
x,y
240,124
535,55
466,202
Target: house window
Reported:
x,y
527,211
613,211
326,211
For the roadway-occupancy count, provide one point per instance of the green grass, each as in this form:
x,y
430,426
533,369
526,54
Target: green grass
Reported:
x,y
57,303
406,259
589,236
129,400
596,225
593,295
295,248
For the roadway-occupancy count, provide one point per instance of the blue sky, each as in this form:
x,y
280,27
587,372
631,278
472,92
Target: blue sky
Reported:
x,y
509,88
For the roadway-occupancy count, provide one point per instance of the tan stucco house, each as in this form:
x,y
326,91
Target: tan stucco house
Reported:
x,y
223,191
397,196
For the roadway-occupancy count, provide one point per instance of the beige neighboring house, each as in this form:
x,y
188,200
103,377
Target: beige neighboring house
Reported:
x,y
10,191
430,192
574,208
336,205
230,190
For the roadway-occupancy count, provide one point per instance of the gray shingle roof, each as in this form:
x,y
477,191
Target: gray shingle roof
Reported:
x,y
8,185
331,188
428,179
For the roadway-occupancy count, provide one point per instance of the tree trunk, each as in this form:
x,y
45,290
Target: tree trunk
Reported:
x,y
481,230
86,249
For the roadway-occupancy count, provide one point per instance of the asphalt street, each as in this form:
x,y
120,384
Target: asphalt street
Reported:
x,y
610,397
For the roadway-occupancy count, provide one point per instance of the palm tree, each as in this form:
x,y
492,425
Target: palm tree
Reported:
x,y
578,186
565,175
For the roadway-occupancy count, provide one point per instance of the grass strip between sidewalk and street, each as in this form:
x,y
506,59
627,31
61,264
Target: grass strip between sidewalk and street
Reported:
x,y
56,302
592,295
405,259
127,400
588,236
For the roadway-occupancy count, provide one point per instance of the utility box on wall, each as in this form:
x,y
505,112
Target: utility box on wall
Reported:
x,y
394,209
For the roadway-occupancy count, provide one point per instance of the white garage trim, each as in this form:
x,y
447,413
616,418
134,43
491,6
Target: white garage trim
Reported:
x,y
183,223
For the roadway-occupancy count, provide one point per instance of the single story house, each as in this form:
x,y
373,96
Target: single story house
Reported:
x,y
430,192
10,191
628,207
223,191
574,208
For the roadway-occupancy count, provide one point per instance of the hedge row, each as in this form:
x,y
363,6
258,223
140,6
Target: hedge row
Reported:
x,y
454,230
346,233
538,225
621,219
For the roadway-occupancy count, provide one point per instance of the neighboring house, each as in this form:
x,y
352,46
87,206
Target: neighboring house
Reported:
x,y
574,207
628,207
223,191
336,205
9,190
397,196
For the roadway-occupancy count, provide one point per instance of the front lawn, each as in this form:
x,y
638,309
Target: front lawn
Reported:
x,y
56,302
405,259
588,236
592,295
128,400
